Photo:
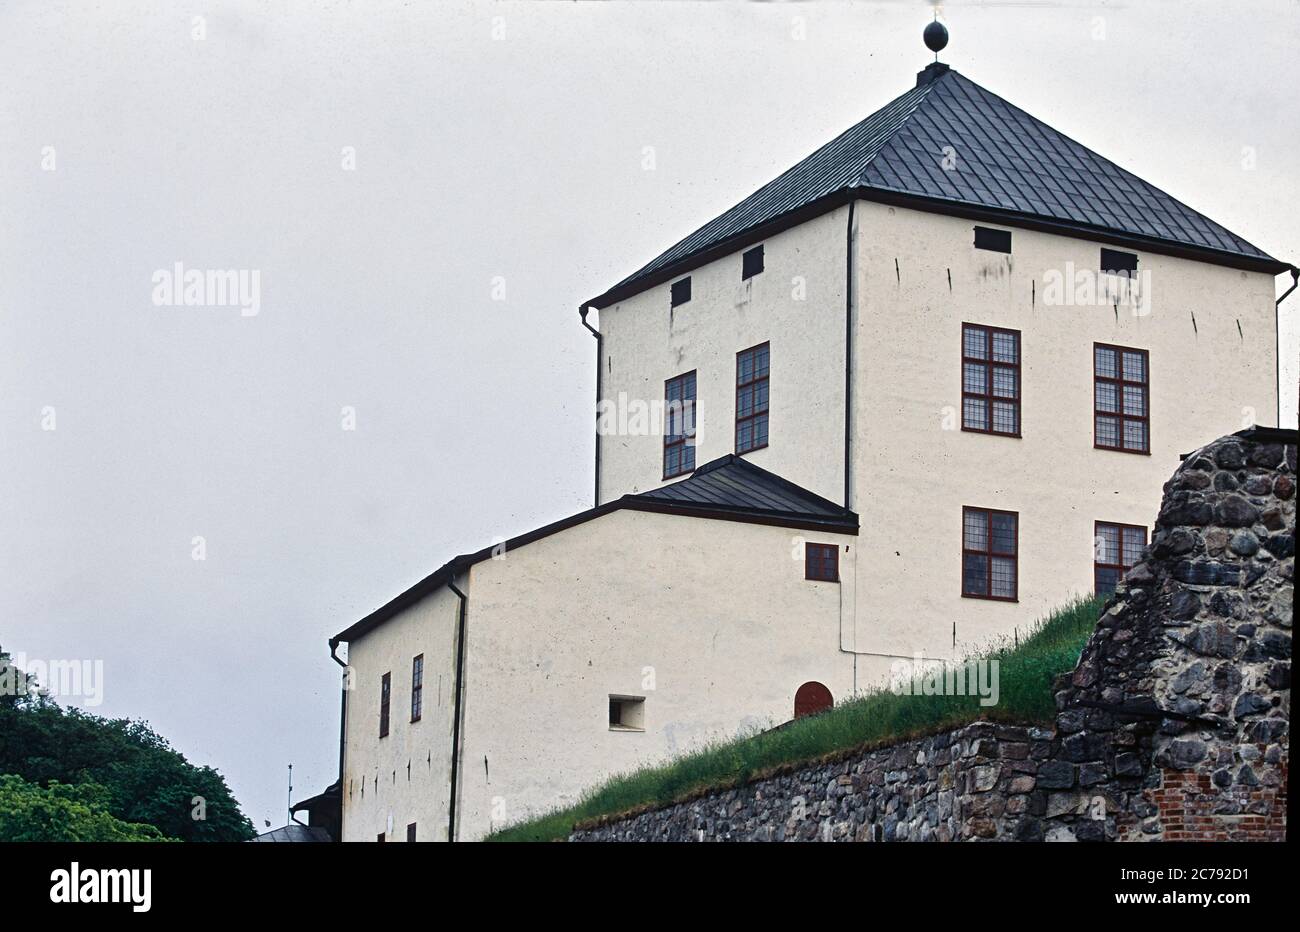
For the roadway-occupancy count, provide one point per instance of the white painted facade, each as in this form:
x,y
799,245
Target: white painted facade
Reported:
x,y
626,604
380,795
913,468
712,621
1206,380
796,303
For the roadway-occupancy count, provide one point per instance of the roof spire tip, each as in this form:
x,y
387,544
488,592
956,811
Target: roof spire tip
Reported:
x,y
935,36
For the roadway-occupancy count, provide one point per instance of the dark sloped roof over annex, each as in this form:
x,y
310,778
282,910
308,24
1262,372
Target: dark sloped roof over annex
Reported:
x,y
727,489
733,482
1008,164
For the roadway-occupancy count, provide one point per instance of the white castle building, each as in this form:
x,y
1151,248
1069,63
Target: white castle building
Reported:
x,y
922,388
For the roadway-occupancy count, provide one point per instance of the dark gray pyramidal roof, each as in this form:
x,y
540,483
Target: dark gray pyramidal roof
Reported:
x,y
1010,167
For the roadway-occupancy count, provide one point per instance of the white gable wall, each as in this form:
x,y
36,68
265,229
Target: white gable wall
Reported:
x,y
716,616
796,304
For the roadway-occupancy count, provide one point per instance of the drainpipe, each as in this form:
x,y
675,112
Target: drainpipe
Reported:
x,y
848,424
840,641
456,706
1277,341
343,728
600,342
853,652
848,348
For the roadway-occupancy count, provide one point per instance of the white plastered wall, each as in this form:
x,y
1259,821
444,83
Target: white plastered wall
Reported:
x,y
428,628
712,621
796,304
914,468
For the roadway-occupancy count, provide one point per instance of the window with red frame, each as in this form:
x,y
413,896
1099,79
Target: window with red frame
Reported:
x,y
990,554
1117,548
679,425
821,562
417,688
990,380
752,367
1121,398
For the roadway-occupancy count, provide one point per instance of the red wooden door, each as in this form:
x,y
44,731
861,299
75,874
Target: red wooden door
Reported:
x,y
811,699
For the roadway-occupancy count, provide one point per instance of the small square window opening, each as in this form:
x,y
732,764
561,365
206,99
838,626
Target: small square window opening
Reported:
x,y
626,713
680,292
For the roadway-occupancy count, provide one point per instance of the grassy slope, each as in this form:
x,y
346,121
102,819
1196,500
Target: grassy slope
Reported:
x,y
1026,673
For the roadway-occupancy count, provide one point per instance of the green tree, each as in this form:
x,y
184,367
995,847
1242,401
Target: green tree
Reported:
x,y
59,812
144,778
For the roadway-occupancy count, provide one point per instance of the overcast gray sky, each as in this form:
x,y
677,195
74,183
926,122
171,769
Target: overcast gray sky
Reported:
x,y
491,140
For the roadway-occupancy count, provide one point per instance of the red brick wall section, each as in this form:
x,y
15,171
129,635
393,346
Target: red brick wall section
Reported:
x,y
1190,809
1176,721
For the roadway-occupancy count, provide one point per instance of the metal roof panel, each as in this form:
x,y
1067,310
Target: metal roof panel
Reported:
x,y
1006,160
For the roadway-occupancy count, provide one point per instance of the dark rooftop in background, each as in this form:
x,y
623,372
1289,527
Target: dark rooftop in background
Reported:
x,y
294,833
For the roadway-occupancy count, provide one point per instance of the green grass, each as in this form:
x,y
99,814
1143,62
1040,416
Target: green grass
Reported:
x,y
1025,696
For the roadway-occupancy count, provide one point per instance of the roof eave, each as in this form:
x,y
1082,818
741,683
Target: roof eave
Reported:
x,y
328,796
846,523
1074,230
841,524
636,285
1012,218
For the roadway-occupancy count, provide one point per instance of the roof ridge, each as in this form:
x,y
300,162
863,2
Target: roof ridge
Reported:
x,y
710,466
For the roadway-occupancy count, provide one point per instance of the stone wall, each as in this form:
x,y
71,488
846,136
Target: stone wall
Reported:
x,y
1174,724
970,783
1177,715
